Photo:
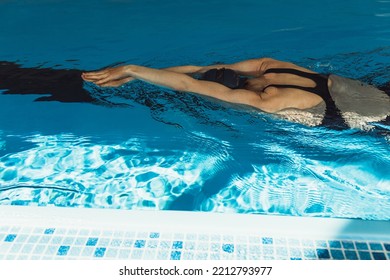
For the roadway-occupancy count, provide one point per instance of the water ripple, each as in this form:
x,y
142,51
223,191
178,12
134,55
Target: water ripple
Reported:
x,y
134,175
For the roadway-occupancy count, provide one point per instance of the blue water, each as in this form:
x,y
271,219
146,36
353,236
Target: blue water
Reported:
x,y
143,147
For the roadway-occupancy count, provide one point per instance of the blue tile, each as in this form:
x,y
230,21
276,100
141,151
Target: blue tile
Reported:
x,y
175,255
348,245
228,248
99,252
20,203
10,238
361,245
116,242
378,256
49,231
280,251
33,239
295,252
387,246
127,243
293,242
309,253
165,245
63,250
307,243
295,259
177,245
350,255
364,255
321,244
214,247
267,240
92,241
139,243
337,254
323,254
269,250
335,244
376,246
154,235
152,244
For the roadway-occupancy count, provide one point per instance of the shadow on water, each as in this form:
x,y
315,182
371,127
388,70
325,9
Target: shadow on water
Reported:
x,y
66,85
63,85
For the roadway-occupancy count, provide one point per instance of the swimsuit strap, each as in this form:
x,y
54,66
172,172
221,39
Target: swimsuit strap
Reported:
x,y
321,81
333,117
290,71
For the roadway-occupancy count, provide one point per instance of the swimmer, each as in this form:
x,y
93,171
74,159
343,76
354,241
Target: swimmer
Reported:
x,y
277,87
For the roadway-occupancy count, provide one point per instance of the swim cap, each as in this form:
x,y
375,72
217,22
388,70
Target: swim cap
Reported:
x,y
226,77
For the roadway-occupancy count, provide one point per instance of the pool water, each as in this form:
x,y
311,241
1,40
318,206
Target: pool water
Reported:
x,y
144,147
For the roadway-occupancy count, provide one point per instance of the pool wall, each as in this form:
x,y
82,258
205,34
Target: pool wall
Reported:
x,y
73,233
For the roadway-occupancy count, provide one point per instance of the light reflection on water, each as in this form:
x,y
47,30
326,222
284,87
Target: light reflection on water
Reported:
x,y
289,170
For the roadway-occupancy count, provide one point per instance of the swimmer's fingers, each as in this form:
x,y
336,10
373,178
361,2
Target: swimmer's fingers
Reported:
x,y
105,80
94,76
117,83
107,76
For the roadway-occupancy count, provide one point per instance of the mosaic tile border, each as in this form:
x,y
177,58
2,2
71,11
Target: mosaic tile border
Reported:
x,y
37,233
42,243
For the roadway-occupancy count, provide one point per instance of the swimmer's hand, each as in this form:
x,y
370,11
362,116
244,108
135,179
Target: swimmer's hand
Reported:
x,y
110,77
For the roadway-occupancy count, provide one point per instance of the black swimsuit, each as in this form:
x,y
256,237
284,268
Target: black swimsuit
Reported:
x,y
333,115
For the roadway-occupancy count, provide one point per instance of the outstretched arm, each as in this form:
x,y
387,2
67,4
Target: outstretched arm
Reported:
x,y
180,82
251,67
119,75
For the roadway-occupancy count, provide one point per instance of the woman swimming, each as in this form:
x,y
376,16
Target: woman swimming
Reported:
x,y
273,86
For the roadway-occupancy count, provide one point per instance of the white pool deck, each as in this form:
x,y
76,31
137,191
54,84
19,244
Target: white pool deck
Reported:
x,y
28,232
